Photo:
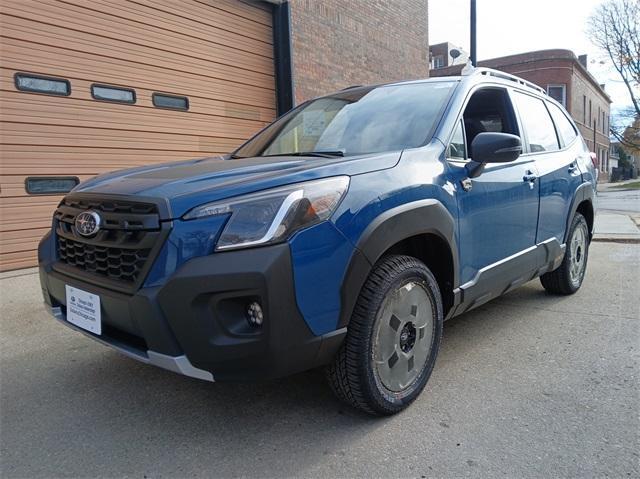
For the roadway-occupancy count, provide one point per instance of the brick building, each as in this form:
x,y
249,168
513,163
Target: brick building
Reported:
x,y
442,55
339,43
565,77
90,87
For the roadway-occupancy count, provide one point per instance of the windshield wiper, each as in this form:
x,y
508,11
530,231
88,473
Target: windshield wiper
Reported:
x,y
321,154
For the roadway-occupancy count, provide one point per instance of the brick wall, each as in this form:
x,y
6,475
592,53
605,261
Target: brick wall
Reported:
x,y
339,43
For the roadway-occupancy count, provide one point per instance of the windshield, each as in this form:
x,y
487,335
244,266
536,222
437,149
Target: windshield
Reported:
x,y
356,121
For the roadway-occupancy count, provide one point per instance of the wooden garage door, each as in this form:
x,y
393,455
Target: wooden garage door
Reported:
x,y
216,53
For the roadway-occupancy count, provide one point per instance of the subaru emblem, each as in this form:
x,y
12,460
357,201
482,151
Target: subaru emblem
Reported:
x,y
88,223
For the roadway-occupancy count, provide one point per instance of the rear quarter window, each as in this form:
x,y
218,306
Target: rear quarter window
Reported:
x,y
565,128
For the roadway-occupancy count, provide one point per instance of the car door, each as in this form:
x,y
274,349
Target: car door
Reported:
x,y
498,210
559,177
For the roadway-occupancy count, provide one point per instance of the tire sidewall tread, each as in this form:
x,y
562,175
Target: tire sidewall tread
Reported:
x,y
352,375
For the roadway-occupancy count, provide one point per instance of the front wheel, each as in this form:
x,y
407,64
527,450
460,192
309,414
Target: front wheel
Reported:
x,y
393,338
568,277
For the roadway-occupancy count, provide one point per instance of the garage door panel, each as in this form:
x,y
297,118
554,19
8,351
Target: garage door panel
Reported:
x,y
249,9
80,113
197,105
12,185
19,245
50,60
153,31
15,133
217,54
216,27
23,259
27,213
213,16
203,60
11,237
47,156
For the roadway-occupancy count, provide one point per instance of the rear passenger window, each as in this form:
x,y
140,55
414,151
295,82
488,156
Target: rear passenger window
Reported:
x,y
565,129
537,123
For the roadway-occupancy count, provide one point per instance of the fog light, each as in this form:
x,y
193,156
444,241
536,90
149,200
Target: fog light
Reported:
x,y
255,314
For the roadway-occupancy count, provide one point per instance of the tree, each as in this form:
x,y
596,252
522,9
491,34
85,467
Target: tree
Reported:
x,y
623,158
631,137
614,27
626,129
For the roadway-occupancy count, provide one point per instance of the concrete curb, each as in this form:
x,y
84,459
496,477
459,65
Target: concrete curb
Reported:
x,y
616,239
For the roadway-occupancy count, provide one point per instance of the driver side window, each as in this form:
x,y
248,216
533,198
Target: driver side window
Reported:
x,y
488,110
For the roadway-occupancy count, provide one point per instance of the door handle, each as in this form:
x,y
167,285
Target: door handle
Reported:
x,y
573,167
530,178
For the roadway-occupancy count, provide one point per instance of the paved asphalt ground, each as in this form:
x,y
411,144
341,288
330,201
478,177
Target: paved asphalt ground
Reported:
x,y
529,385
619,201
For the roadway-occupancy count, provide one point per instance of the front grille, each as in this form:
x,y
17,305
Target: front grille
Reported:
x,y
115,263
120,252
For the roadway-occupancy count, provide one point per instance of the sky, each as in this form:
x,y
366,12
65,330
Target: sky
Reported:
x,y
506,27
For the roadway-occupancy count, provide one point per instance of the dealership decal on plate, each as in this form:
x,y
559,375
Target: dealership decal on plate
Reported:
x,y
83,309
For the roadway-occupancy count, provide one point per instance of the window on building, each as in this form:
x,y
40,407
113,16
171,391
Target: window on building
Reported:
x,y
42,84
50,185
558,93
604,123
584,109
173,102
457,148
438,61
564,126
590,112
539,129
113,93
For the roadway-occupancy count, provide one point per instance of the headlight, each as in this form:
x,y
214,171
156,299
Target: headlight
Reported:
x,y
273,215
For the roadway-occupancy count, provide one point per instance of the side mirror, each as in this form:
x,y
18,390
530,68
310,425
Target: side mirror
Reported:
x,y
492,148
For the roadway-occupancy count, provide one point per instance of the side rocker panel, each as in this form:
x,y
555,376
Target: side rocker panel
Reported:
x,y
496,279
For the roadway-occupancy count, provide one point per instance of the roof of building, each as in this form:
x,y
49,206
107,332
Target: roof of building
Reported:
x,y
528,57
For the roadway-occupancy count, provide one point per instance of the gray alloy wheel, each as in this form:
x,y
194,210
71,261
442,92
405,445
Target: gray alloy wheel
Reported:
x,y
403,336
392,340
568,277
577,254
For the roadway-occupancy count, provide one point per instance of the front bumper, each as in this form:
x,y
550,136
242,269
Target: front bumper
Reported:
x,y
195,323
177,364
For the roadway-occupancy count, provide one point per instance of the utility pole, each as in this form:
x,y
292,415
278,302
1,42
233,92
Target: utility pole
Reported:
x,y
472,55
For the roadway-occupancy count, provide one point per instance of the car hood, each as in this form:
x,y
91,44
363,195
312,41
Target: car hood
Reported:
x,y
187,184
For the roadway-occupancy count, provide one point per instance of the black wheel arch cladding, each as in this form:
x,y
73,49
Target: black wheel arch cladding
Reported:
x,y
427,216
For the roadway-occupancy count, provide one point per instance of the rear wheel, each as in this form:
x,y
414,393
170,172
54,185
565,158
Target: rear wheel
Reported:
x,y
393,338
568,278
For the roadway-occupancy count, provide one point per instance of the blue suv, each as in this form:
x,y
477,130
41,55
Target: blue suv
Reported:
x,y
341,235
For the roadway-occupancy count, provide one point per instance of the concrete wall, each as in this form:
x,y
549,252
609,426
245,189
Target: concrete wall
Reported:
x,y
340,43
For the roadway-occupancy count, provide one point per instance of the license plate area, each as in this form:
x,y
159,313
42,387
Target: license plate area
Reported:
x,y
83,309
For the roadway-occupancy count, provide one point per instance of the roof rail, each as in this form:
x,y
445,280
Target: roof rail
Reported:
x,y
507,76
350,87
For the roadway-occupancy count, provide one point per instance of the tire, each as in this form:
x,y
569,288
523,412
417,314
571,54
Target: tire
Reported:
x,y
392,339
568,277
